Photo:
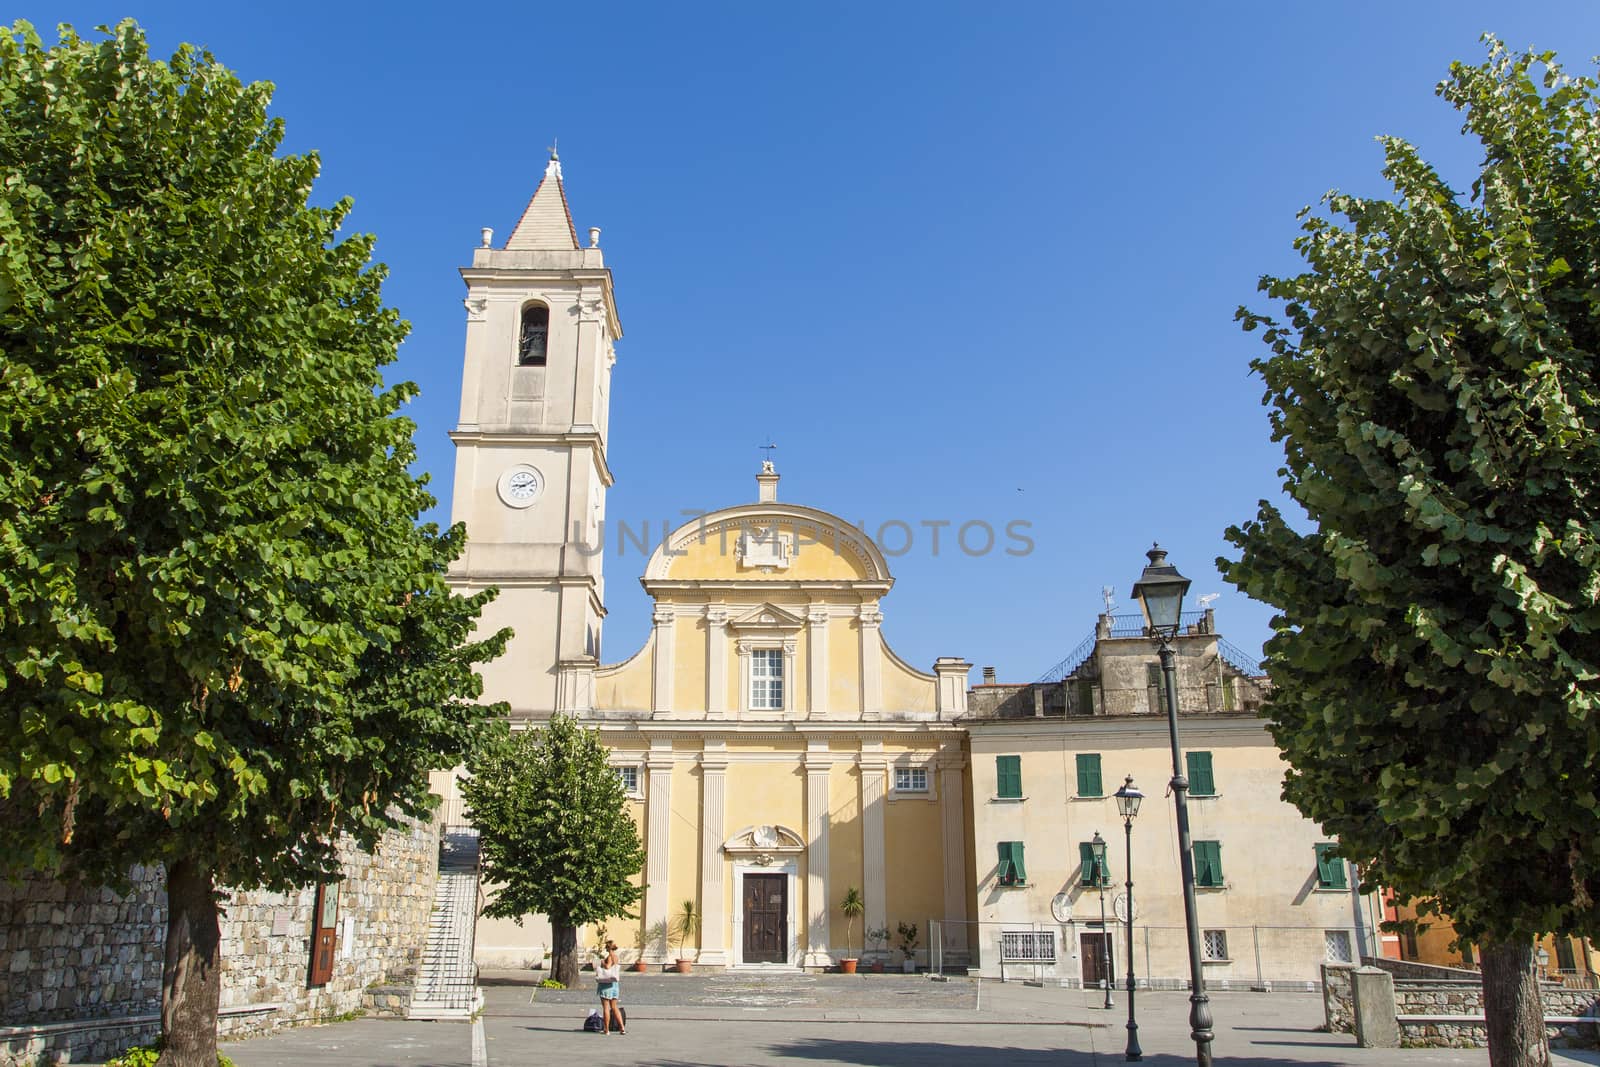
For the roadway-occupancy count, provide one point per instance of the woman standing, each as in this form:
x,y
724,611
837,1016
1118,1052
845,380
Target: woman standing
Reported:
x,y
609,977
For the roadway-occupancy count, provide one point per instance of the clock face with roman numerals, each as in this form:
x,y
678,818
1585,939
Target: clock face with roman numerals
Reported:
x,y
520,486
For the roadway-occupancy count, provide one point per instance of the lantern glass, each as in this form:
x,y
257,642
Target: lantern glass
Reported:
x,y
1160,591
1128,798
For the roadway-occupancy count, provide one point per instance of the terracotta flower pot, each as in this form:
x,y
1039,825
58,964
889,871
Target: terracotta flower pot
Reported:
x,y
877,966
684,966
847,966
638,965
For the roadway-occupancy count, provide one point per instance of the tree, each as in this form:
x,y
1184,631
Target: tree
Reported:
x,y
556,835
225,642
1435,658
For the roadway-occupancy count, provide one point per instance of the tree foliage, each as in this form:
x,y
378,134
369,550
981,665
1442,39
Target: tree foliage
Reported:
x,y
1433,383
556,835
225,641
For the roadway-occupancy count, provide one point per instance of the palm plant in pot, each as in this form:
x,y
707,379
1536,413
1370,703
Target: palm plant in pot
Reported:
x,y
687,922
852,906
908,946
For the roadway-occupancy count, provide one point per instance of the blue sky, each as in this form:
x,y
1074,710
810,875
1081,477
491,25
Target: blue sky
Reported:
x,y
973,263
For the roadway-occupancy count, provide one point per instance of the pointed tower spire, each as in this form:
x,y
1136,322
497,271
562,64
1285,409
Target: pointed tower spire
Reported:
x,y
546,224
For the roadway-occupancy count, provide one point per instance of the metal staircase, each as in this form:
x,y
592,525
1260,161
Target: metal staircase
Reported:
x,y
447,982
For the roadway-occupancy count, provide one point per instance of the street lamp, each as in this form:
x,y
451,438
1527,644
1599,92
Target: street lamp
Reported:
x,y
1128,798
1159,591
1097,848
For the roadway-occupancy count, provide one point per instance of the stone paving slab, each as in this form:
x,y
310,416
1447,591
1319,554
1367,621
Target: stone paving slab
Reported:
x,y
683,1020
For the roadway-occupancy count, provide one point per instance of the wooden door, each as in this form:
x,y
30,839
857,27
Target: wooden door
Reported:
x,y
324,933
766,918
1094,949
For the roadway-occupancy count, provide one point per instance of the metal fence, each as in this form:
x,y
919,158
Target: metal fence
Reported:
x,y
1079,953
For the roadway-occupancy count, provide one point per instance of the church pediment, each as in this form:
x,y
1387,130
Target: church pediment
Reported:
x,y
768,618
764,843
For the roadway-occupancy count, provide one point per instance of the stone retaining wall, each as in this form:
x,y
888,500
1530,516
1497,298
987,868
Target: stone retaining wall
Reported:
x,y
80,968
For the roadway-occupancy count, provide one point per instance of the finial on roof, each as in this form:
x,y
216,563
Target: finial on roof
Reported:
x,y
553,142
767,482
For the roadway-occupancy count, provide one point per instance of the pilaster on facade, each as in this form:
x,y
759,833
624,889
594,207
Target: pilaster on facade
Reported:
x,y
658,824
575,684
874,874
661,688
713,800
871,619
716,662
817,651
953,819
819,768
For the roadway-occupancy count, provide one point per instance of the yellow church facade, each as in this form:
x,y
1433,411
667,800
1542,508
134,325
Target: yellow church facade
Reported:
x,y
780,753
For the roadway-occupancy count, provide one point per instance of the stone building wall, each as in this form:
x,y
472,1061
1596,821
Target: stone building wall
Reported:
x,y
80,968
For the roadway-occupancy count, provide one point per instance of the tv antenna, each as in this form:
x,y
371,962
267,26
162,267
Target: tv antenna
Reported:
x,y
1109,596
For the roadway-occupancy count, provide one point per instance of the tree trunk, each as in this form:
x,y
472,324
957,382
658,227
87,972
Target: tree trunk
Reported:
x,y
1511,1006
191,979
564,954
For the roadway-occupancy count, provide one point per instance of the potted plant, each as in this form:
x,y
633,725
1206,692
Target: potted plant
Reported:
x,y
908,946
877,939
688,922
638,943
852,906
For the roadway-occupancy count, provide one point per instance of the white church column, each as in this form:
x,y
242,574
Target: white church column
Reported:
x,y
871,663
818,767
817,652
713,781
662,698
717,664
874,794
953,817
658,821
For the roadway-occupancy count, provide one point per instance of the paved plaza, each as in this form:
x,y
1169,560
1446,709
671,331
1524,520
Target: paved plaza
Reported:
x,y
874,1020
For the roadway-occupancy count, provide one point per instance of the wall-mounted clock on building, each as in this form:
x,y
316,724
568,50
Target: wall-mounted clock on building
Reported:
x,y
520,485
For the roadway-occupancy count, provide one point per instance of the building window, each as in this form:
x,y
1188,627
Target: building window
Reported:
x,y
1090,872
1011,870
1008,777
1028,946
1408,938
533,342
1337,943
766,679
629,777
1089,775
1085,696
1208,864
1202,783
1214,945
1330,868
1158,685
911,779
1565,959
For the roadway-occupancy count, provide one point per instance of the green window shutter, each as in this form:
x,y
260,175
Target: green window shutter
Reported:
x,y
1008,777
1086,863
1012,871
1202,783
1089,775
1208,863
1330,868
1227,692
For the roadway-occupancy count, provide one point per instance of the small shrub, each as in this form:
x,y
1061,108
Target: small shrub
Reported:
x,y
146,1056
551,983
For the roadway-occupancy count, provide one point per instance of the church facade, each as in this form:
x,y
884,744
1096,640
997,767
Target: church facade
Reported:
x,y
778,752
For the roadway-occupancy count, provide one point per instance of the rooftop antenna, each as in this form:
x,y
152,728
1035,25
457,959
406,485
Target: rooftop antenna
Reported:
x,y
1109,596
1207,599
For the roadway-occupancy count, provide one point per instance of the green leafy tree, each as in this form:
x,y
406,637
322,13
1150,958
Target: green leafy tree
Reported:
x,y
556,835
1435,659
225,642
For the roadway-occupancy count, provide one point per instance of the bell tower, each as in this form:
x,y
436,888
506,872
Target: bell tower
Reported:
x,y
531,473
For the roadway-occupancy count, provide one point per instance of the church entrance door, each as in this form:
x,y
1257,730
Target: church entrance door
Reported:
x,y
766,918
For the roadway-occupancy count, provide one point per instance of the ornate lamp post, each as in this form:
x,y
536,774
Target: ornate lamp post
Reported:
x,y
1159,591
1097,848
1128,798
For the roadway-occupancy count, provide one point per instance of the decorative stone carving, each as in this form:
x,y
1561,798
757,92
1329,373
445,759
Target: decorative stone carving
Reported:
x,y
766,548
477,308
763,845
